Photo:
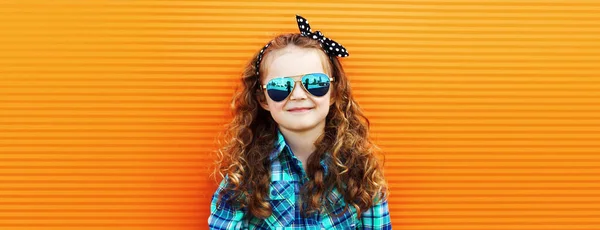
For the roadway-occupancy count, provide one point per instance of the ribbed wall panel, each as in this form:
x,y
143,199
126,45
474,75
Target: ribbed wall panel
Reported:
x,y
488,111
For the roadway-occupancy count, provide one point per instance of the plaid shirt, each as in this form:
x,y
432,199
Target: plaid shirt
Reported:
x,y
287,177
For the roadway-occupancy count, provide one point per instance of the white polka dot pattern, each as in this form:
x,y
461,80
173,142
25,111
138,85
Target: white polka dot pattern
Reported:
x,y
330,47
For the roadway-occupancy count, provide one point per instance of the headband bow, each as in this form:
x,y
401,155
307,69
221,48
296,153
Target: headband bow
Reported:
x,y
331,47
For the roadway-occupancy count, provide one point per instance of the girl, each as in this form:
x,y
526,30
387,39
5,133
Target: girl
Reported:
x,y
297,153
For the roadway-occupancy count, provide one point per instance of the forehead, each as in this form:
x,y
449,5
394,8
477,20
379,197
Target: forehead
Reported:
x,y
293,60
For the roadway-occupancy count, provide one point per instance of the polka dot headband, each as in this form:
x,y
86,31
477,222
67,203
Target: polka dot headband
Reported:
x,y
330,47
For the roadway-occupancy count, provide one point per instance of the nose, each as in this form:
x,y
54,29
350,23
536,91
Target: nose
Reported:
x,y
298,92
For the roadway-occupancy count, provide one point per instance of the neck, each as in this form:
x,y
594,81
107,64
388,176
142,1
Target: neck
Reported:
x,y
302,142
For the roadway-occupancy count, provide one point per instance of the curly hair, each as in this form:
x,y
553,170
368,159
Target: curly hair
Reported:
x,y
243,158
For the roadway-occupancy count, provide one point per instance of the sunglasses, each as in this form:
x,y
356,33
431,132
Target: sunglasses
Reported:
x,y
279,89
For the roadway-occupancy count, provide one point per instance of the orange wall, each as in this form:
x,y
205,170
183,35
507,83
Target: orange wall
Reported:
x,y
488,110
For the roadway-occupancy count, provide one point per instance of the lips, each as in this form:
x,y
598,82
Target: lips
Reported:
x,y
298,109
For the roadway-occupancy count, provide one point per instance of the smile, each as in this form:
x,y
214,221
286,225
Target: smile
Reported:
x,y
299,110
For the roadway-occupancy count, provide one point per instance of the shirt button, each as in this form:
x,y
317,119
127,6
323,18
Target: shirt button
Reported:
x,y
273,193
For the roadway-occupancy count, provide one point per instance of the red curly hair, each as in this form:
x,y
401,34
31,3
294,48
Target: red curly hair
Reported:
x,y
243,159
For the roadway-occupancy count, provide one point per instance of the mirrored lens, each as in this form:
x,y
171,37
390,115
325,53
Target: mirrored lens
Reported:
x,y
278,89
316,83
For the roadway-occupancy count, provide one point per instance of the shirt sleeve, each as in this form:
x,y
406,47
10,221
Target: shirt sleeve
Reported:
x,y
376,218
222,215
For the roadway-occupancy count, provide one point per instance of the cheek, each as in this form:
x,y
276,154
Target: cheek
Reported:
x,y
275,106
326,100
326,103
323,103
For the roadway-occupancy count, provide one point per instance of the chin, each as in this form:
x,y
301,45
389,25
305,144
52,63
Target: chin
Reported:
x,y
297,127
301,124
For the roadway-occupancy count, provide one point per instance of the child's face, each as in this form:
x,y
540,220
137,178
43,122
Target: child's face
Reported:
x,y
292,61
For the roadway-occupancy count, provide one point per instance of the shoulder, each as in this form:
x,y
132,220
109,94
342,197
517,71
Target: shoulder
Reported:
x,y
222,195
223,215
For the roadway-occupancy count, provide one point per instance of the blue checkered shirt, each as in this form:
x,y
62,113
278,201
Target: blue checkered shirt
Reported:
x,y
287,177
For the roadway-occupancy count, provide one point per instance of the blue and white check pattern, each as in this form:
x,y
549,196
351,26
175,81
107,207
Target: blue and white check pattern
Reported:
x,y
287,177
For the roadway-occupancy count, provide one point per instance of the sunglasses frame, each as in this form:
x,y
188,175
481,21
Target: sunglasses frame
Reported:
x,y
264,87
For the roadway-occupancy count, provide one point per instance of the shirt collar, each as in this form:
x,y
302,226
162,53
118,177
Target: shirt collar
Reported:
x,y
280,145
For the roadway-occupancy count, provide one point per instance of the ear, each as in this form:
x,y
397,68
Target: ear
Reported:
x,y
262,100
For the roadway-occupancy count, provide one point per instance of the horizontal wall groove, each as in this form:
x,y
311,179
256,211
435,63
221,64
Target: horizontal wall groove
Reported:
x,y
485,113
